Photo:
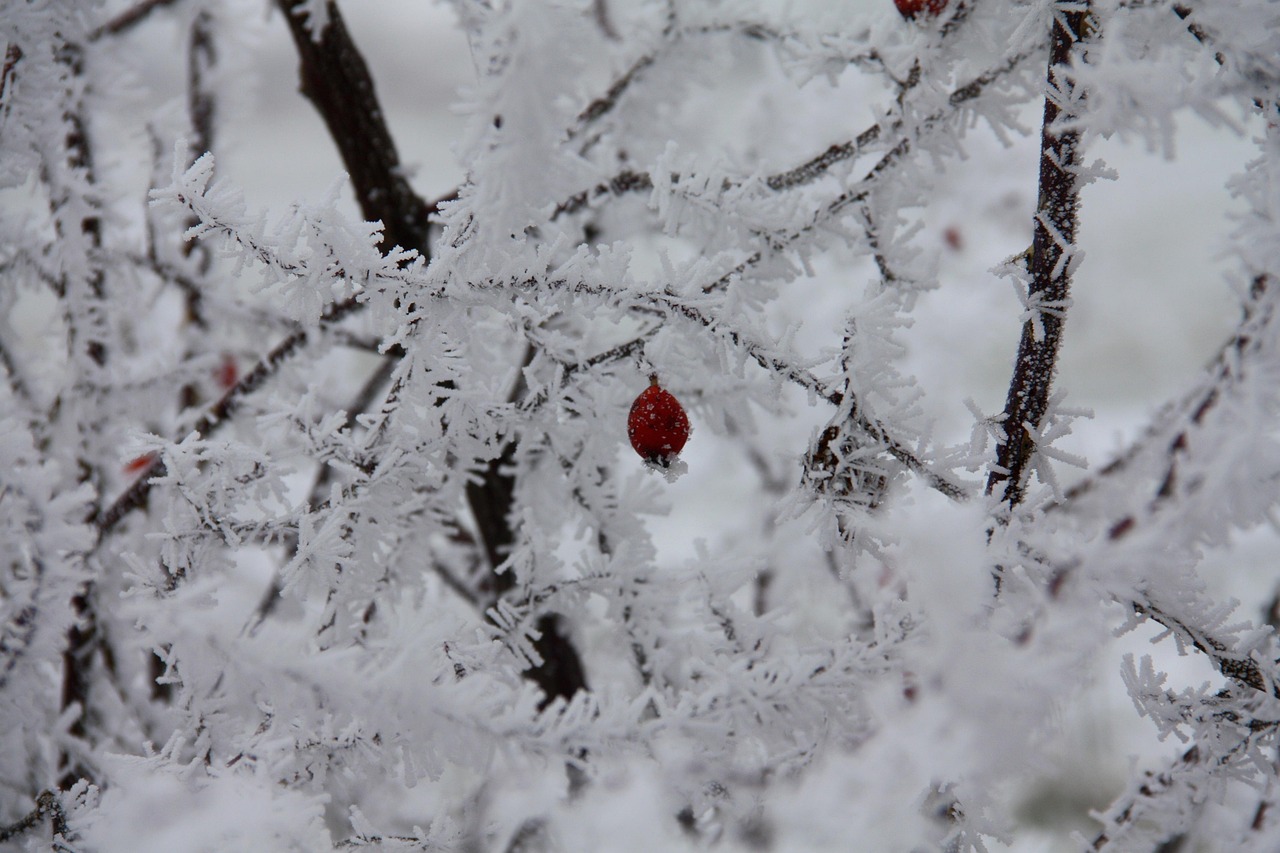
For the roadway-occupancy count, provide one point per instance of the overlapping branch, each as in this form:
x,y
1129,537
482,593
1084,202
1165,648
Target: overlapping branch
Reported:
x,y
337,81
631,181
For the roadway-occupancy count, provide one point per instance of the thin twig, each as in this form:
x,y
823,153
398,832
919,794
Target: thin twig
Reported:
x,y
12,56
129,18
47,806
1190,412
629,181
13,375
1239,668
88,331
1050,267
336,79
776,366
605,104
136,495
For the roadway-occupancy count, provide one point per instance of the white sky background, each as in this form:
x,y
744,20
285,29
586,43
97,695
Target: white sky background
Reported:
x,y
1150,308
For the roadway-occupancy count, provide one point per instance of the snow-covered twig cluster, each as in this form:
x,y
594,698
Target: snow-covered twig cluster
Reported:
x,y
328,522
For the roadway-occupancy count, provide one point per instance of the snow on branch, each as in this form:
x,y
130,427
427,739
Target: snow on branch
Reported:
x,y
1050,264
333,524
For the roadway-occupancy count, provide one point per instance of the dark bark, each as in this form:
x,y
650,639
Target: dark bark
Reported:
x,y
129,18
1055,234
77,663
491,499
336,79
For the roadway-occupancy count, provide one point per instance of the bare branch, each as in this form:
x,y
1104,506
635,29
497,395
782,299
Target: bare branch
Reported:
x,y
129,18
336,79
12,56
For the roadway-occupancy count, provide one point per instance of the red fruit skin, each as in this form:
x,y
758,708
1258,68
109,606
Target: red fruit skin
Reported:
x,y
657,425
911,8
953,238
228,373
138,463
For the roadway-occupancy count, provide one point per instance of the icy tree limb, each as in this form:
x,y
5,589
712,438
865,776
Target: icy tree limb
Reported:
x,y
1238,667
129,18
1154,793
772,363
202,56
1050,265
1226,373
47,806
1153,813
629,181
12,56
1185,415
606,103
136,495
336,79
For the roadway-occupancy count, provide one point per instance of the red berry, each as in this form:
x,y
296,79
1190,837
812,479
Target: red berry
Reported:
x,y
657,425
228,372
911,8
139,463
953,238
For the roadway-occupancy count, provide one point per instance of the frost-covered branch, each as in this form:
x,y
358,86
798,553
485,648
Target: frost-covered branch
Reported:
x,y
1051,263
1169,435
337,81
355,542
1235,665
48,808
630,181
128,18
221,411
